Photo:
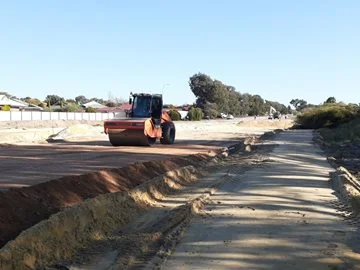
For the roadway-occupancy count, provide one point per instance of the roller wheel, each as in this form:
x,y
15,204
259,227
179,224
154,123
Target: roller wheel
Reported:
x,y
130,138
168,133
151,141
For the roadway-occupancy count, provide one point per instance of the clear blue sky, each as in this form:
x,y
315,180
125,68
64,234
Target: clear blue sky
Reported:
x,y
278,49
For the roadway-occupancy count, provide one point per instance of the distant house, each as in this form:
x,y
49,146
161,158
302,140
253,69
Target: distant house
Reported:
x,y
93,104
14,105
122,108
32,107
185,107
17,105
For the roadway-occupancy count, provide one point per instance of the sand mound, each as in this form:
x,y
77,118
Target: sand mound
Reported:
x,y
64,233
268,123
24,207
76,131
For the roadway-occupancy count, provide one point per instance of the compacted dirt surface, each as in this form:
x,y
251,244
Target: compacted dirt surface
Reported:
x,y
280,216
270,208
27,159
39,178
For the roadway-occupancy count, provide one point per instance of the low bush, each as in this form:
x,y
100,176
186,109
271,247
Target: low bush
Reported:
x,y
195,114
326,116
349,132
90,110
174,115
5,108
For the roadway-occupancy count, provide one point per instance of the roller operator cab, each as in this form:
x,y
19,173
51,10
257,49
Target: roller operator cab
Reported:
x,y
145,123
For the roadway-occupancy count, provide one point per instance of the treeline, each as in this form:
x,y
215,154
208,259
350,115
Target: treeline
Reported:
x,y
215,97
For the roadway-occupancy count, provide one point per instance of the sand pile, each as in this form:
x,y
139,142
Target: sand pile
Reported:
x,y
75,132
24,207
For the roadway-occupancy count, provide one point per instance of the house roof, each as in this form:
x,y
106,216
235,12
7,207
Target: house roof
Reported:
x,y
4,100
122,108
93,104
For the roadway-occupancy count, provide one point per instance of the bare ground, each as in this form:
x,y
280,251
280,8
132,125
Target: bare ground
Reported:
x,y
257,210
253,211
35,162
134,245
59,175
25,161
282,216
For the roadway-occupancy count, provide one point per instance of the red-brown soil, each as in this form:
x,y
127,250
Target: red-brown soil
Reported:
x,y
23,207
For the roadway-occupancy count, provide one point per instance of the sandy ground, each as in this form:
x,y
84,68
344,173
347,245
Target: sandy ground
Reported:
x,y
133,245
26,159
281,216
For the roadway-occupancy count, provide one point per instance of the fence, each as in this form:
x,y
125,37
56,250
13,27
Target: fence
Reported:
x,y
43,116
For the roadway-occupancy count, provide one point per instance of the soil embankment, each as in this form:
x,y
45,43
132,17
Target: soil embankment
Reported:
x,y
21,208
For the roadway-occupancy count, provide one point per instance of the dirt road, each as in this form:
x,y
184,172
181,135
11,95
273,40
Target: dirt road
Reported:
x,y
281,216
28,163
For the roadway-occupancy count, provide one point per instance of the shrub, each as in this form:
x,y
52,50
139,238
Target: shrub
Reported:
x,y
70,107
195,114
73,107
90,110
61,109
5,108
174,115
330,115
345,132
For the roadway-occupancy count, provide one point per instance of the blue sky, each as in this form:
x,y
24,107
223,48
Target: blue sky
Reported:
x,y
278,49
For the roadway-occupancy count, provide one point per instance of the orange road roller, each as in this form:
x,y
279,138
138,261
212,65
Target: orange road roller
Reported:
x,y
145,123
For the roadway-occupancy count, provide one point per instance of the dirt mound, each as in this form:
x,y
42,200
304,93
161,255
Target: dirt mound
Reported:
x,y
24,207
76,131
94,220
347,186
268,123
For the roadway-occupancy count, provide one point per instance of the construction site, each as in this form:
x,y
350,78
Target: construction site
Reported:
x,y
179,135
73,198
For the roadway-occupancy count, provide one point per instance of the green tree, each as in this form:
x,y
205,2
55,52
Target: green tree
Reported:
x,y
54,100
222,98
215,97
210,110
257,105
81,99
330,100
299,104
110,104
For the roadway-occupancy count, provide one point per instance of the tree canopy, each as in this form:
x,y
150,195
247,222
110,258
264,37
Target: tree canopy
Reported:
x,y
215,97
331,100
298,104
81,99
54,100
